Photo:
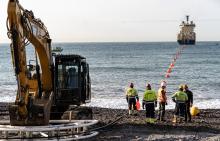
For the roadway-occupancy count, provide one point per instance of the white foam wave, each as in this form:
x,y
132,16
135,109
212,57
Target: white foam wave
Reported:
x,y
7,99
121,103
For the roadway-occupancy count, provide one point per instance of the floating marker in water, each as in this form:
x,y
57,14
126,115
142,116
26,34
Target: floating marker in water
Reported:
x,y
176,56
172,65
167,75
169,70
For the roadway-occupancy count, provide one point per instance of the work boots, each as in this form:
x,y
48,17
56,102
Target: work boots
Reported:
x,y
181,119
150,120
129,112
174,119
133,112
161,119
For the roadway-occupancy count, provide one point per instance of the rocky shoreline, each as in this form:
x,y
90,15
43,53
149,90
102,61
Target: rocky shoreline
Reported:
x,y
117,125
206,126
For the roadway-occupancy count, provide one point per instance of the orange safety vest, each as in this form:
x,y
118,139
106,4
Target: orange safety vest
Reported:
x,y
162,97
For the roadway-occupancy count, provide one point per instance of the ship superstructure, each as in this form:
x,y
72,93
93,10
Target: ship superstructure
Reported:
x,y
187,36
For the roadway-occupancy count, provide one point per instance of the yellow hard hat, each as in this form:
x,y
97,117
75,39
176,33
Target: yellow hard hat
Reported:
x,y
185,86
181,86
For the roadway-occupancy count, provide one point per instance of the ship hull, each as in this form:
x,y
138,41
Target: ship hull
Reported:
x,y
186,42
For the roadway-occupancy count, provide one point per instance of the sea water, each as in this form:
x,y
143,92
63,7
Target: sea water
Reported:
x,y
114,65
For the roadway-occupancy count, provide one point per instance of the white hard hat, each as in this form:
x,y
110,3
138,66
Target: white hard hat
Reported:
x,y
163,84
148,85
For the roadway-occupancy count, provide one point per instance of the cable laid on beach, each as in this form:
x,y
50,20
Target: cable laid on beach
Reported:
x,y
109,124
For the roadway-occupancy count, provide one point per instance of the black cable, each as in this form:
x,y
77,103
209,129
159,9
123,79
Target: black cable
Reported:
x,y
107,125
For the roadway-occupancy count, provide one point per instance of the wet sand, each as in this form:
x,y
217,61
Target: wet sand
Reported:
x,y
119,126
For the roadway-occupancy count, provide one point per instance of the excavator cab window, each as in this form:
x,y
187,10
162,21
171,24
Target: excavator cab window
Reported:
x,y
67,76
67,80
72,77
31,70
72,81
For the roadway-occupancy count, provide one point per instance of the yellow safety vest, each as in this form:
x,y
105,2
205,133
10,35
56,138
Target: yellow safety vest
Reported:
x,y
150,95
131,92
180,96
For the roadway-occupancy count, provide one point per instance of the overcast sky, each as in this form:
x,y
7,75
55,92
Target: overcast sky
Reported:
x,y
120,20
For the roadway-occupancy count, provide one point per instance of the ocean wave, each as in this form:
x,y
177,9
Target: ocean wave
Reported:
x,y
121,103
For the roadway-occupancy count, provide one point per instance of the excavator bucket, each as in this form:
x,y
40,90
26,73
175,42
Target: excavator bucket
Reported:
x,y
38,113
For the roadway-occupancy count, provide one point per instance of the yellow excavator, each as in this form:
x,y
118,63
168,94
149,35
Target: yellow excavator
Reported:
x,y
52,82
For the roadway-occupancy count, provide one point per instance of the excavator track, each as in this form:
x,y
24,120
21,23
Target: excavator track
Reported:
x,y
62,130
4,109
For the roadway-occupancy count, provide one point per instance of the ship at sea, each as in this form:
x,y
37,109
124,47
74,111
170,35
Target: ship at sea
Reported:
x,y
187,36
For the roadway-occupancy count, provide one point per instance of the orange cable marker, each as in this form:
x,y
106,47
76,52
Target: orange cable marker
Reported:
x,y
176,56
169,70
167,75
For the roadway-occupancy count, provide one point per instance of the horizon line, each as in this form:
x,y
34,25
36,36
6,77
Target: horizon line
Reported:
x,y
120,41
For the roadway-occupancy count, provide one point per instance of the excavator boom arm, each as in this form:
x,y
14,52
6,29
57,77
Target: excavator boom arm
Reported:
x,y
24,28
27,26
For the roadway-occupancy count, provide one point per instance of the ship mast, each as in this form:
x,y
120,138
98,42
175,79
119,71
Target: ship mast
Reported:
x,y
187,19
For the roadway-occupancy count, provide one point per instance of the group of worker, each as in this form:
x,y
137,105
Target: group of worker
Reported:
x,y
183,99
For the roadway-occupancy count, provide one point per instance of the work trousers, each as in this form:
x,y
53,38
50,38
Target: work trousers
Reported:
x,y
132,103
150,110
187,113
180,109
161,113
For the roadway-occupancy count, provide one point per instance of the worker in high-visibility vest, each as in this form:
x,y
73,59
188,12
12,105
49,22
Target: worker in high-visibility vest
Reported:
x,y
162,99
189,103
180,98
149,103
132,96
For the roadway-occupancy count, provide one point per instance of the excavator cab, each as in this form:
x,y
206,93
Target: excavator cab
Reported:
x,y
72,85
